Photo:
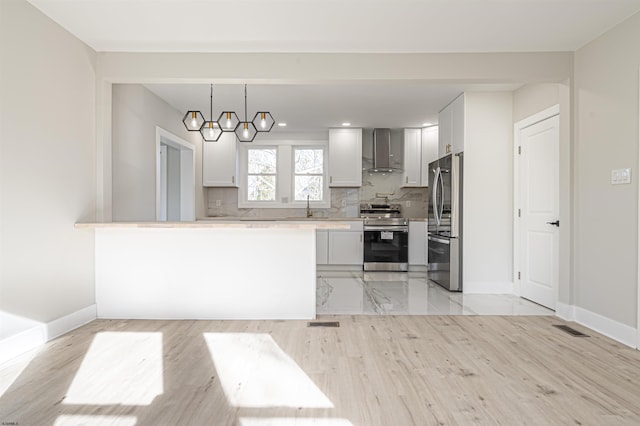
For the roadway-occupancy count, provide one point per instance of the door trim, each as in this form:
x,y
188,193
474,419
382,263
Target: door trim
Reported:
x,y
517,128
187,174
638,225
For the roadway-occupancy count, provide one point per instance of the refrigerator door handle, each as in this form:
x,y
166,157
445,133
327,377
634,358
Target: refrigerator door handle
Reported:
x,y
434,195
441,182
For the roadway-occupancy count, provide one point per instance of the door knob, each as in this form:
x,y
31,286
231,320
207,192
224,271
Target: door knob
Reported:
x,y
556,223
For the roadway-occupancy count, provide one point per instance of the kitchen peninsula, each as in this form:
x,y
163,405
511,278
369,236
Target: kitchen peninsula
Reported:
x,y
209,269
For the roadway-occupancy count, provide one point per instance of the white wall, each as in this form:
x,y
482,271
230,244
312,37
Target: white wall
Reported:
x,y
606,138
47,166
488,192
136,113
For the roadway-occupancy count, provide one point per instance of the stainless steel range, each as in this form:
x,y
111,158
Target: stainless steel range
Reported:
x,y
386,238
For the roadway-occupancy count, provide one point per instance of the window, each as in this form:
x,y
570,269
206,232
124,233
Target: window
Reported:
x,y
309,174
262,171
282,173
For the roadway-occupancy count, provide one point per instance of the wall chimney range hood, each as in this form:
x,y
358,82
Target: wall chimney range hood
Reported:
x,y
382,152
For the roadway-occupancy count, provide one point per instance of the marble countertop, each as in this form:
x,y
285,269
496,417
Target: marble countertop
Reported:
x,y
228,223
278,219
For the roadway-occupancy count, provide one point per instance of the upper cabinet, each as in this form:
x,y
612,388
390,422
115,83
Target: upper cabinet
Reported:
x,y
429,152
451,127
420,149
219,161
345,157
412,157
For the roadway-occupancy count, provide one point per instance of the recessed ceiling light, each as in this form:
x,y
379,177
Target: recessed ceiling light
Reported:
x,y
346,123
282,124
427,124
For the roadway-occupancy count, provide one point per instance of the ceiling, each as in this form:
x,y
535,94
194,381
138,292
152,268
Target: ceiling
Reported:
x,y
337,25
315,107
333,26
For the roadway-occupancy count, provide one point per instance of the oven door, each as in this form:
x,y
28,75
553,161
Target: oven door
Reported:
x,y
386,248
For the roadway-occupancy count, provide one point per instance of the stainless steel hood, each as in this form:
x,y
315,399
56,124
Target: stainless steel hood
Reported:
x,y
382,152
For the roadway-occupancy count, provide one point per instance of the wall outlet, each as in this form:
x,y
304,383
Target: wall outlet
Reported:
x,y
343,203
218,203
408,203
620,176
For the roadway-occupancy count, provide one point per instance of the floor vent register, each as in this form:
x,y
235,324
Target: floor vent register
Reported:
x,y
571,331
323,324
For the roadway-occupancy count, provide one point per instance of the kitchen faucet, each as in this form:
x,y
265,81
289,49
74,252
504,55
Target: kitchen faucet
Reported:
x,y
309,214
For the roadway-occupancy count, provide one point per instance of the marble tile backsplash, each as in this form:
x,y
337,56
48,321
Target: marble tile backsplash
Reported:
x,y
344,203
413,201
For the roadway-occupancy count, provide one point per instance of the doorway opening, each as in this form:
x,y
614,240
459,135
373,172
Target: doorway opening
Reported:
x,y
175,178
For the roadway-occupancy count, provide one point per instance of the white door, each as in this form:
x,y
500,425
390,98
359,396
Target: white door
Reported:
x,y
539,213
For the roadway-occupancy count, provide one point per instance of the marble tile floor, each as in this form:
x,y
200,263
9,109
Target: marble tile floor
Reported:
x,y
408,293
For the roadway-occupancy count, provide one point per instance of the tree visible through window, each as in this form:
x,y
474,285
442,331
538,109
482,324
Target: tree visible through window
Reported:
x,y
308,174
261,177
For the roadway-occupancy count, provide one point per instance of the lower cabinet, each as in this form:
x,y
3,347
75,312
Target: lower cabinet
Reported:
x,y
340,247
322,247
345,248
418,243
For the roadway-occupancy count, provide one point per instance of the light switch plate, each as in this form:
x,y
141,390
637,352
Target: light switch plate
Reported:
x,y
621,176
218,203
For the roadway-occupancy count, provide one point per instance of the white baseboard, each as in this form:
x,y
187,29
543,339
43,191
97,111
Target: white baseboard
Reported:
x,y
616,330
622,333
36,335
491,287
70,322
566,312
21,342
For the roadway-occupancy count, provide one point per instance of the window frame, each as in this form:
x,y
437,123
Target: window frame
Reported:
x,y
247,174
285,173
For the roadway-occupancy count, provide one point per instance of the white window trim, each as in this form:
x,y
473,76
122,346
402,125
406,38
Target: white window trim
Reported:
x,y
285,174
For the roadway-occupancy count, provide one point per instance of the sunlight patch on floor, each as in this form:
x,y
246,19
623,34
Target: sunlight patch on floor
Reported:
x,y
296,421
88,420
11,370
119,368
255,372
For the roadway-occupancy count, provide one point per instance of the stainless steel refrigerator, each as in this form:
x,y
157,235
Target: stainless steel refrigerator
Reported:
x,y
445,222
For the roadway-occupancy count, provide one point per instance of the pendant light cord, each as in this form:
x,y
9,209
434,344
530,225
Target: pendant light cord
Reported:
x,y
211,109
245,103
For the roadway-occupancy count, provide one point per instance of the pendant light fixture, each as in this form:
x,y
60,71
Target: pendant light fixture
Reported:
x,y
210,130
263,121
245,130
193,120
228,121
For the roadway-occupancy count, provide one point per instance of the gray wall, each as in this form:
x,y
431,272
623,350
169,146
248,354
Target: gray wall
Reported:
x,y
606,138
136,113
47,166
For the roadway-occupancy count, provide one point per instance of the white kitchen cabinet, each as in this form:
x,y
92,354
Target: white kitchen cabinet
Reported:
x,y
451,127
345,248
345,157
418,243
429,152
220,161
322,247
457,121
412,141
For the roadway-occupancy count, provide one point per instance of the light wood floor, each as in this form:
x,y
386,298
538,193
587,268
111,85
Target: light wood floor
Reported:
x,y
405,370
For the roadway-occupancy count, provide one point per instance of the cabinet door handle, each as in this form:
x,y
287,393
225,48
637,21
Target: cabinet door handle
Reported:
x,y
360,237
406,179
330,179
233,179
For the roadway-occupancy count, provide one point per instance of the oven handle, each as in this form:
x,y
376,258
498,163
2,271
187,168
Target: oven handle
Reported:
x,y
439,240
398,228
